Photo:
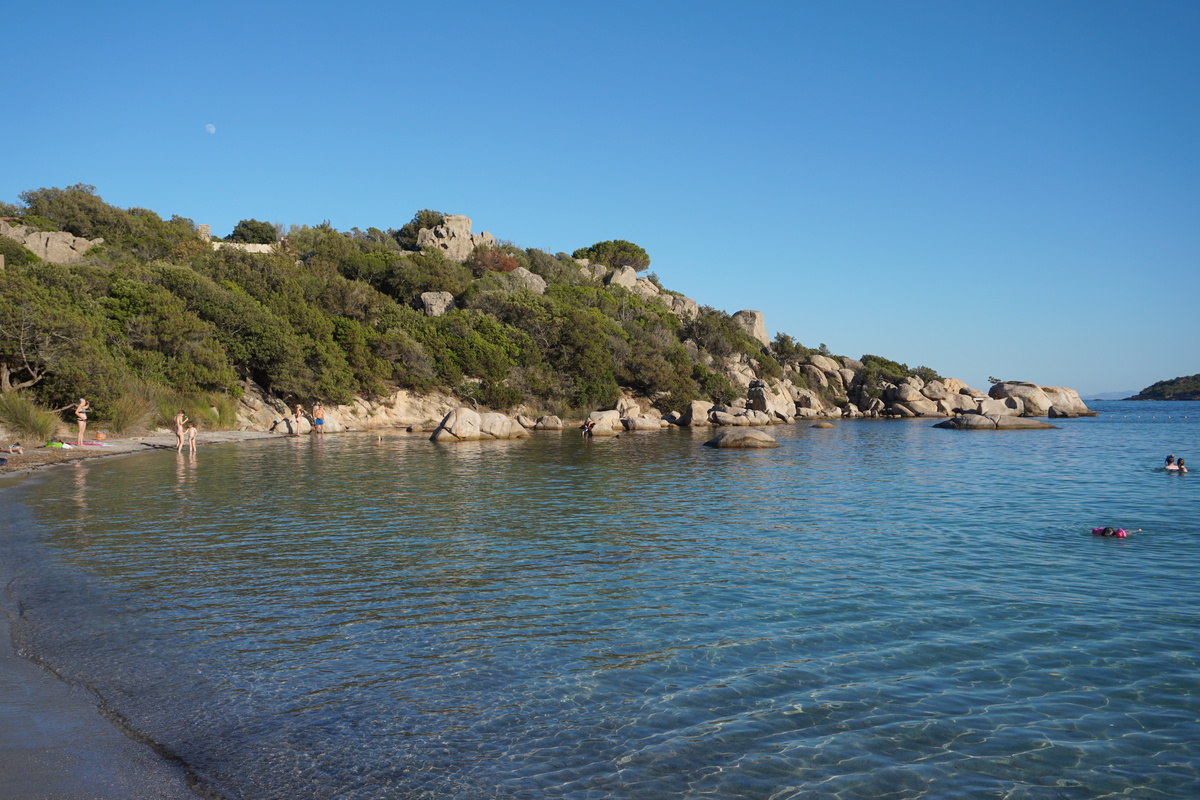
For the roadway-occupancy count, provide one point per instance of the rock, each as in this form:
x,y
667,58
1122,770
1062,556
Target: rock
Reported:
x,y
550,422
696,415
823,425
731,420
622,276
528,280
747,438
992,422
460,425
907,393
494,425
59,247
628,407
754,324
813,375
924,408
1007,407
466,424
1036,403
646,288
437,303
1067,401
593,272
453,237
935,390
607,422
525,422
685,308
641,423
823,363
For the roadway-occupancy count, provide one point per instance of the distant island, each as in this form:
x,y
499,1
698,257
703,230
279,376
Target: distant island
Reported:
x,y
1185,388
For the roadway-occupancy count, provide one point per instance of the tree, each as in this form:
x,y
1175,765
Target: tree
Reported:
x,y
252,231
615,253
39,329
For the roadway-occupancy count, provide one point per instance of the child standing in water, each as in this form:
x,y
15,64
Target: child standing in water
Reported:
x,y
191,437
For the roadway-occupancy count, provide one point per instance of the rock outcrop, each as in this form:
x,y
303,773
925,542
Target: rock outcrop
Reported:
x,y
467,425
437,304
992,422
755,324
59,247
453,237
744,438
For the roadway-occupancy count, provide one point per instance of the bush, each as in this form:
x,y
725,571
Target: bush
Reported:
x,y
15,255
406,237
615,253
26,418
253,231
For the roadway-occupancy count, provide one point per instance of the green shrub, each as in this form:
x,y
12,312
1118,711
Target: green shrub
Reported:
x,y
615,253
15,255
26,418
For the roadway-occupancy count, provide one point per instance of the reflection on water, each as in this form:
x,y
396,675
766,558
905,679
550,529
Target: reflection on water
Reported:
x,y
878,610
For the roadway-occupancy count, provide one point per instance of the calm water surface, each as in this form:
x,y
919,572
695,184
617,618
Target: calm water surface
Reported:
x,y
882,610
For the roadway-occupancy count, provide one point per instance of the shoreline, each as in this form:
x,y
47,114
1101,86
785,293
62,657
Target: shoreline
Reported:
x,y
57,742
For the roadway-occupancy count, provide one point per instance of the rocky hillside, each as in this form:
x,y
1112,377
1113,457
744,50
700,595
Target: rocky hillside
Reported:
x,y
1185,388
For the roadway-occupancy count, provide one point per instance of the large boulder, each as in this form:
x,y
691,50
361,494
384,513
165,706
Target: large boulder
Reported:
x,y
550,422
528,280
1035,401
1006,407
642,423
685,308
695,415
754,324
466,425
453,237
622,276
743,438
824,363
992,422
437,304
607,423
59,247
1066,402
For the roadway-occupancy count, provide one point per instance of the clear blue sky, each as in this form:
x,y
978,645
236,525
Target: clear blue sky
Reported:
x,y
986,188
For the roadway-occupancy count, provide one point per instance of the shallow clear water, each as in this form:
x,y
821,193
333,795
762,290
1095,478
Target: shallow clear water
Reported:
x,y
881,610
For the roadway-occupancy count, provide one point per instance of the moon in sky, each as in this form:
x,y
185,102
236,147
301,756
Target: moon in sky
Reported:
x,y
210,128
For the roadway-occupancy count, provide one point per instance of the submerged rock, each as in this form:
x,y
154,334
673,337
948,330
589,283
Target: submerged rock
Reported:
x,y
992,422
742,437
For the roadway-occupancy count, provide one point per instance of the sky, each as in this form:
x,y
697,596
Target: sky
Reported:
x,y
1007,188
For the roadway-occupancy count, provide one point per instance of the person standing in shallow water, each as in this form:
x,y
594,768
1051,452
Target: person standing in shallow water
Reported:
x,y
180,420
318,418
81,412
191,436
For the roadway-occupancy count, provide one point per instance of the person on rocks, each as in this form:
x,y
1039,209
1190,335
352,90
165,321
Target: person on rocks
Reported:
x,y
297,415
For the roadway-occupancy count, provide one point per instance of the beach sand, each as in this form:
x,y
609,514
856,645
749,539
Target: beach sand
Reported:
x,y
55,744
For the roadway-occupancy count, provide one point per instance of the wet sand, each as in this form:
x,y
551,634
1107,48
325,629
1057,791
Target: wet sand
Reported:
x,y
55,742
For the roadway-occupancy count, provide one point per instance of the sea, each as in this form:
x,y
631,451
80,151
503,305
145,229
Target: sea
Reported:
x,y
880,610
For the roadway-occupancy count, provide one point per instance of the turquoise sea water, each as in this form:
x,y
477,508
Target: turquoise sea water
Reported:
x,y
881,610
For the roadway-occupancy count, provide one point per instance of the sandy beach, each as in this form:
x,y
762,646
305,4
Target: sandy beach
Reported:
x,y
55,743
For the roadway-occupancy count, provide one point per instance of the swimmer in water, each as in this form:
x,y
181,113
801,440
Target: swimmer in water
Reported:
x,y
1180,466
1170,465
1118,533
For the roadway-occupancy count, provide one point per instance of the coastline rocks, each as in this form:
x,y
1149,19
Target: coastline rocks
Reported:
x,y
1035,401
550,422
622,276
1066,402
993,422
742,438
695,415
466,424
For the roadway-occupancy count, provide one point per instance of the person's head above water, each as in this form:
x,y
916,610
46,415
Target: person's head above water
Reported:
x,y
1171,459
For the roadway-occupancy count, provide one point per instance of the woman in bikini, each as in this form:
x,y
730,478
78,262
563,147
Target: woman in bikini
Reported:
x,y
81,412
180,420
